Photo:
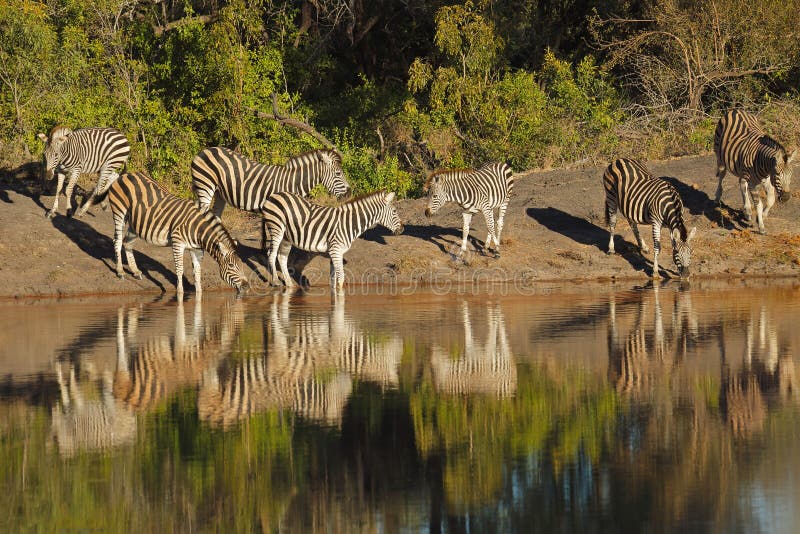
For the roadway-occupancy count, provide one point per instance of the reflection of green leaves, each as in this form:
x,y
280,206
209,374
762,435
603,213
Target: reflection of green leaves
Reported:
x,y
478,435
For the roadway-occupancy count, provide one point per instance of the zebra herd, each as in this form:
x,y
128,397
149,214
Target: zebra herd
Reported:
x,y
143,209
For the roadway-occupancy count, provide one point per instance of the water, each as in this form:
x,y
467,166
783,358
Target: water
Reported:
x,y
593,407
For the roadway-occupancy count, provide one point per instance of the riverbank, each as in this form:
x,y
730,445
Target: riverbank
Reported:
x,y
554,231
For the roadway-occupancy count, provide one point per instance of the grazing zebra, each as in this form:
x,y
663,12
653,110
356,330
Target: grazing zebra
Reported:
x,y
475,190
87,150
755,158
146,210
290,219
645,199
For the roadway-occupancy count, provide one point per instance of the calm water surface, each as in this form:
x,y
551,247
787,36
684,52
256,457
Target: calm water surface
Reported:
x,y
594,407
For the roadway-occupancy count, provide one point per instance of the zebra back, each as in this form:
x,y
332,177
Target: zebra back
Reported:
x,y
246,184
742,147
641,197
488,186
157,216
313,227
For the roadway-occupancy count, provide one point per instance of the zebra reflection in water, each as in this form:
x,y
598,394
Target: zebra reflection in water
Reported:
x,y
766,374
481,368
152,365
307,364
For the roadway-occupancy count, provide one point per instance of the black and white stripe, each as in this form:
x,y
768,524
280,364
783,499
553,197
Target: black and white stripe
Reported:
x,y
220,176
143,209
84,151
743,149
475,190
645,199
482,368
291,220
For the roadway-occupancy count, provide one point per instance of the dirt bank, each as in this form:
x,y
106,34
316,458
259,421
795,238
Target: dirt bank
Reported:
x,y
554,230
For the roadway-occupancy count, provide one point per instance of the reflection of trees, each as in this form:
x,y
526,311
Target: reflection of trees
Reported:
x,y
475,436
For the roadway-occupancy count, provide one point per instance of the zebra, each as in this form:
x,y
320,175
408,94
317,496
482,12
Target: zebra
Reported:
x,y
291,220
221,176
146,210
645,199
743,149
86,150
475,190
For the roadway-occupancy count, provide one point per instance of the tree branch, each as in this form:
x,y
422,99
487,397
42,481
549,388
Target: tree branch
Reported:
x,y
294,123
203,19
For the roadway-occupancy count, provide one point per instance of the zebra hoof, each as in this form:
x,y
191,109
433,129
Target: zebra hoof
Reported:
x,y
610,253
496,254
50,214
138,276
121,276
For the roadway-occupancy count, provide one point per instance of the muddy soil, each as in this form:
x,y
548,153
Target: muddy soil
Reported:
x,y
554,231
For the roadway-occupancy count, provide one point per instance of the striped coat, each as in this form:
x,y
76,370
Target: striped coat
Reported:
x,y
743,149
475,190
644,199
84,151
290,219
143,209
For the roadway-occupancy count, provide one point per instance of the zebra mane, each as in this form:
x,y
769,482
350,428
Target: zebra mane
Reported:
x,y
59,131
442,172
300,159
363,196
772,143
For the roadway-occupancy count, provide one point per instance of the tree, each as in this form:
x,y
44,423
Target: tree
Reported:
x,y
684,52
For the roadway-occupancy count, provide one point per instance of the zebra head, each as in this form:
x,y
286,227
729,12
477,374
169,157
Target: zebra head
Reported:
x,y
230,266
51,156
332,175
436,195
782,177
682,251
388,216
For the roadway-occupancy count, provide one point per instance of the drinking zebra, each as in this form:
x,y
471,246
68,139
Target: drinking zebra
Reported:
x,y
475,190
87,150
645,199
742,148
290,219
143,209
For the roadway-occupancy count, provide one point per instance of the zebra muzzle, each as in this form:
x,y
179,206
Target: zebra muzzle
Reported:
x,y
399,230
784,196
428,212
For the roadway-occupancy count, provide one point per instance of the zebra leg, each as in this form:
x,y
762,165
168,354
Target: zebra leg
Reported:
x,y
611,220
275,241
488,214
73,179
218,204
748,207
656,248
197,257
283,258
769,189
720,176
127,243
50,214
177,255
467,218
337,267
760,216
119,229
639,241
501,215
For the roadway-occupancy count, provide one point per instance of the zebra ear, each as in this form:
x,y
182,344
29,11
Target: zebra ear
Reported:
x,y
389,197
691,234
223,248
325,157
676,235
42,136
